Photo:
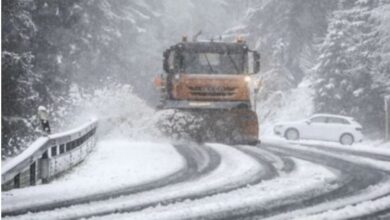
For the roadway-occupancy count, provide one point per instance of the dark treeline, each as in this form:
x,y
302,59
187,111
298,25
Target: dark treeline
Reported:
x,y
48,46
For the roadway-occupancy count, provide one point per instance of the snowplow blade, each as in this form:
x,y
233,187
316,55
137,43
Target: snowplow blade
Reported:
x,y
205,105
229,126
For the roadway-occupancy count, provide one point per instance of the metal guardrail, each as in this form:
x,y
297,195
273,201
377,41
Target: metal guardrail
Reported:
x,y
48,157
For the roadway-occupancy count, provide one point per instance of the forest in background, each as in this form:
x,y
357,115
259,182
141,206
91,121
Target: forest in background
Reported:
x,y
52,49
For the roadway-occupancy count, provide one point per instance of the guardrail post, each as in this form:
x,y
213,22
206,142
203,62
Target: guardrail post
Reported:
x,y
44,118
17,181
33,173
44,167
387,117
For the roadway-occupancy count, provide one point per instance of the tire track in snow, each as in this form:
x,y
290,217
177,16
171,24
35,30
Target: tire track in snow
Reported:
x,y
363,176
375,156
186,193
222,205
199,161
353,178
382,215
274,162
263,174
381,209
378,215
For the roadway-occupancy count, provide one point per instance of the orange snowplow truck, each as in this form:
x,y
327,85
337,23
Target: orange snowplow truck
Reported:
x,y
212,79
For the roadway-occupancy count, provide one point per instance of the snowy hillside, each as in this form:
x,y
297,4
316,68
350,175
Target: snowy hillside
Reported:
x,y
63,54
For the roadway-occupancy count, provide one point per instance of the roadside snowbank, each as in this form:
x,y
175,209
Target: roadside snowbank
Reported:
x,y
367,146
375,147
113,165
353,158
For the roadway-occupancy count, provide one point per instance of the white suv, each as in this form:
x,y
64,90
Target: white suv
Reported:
x,y
322,127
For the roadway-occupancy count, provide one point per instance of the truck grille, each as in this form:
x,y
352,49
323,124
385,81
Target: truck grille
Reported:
x,y
212,91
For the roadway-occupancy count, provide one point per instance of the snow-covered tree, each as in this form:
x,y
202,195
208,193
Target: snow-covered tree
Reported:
x,y
18,79
348,65
283,30
49,45
382,14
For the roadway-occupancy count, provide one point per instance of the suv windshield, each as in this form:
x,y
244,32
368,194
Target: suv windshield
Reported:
x,y
213,63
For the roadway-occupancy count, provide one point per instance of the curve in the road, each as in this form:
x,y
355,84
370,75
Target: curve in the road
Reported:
x,y
355,177
199,160
198,170
267,173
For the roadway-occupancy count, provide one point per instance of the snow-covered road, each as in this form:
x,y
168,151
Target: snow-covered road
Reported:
x,y
116,166
276,180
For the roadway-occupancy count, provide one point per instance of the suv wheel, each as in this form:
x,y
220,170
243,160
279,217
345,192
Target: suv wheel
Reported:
x,y
346,139
292,134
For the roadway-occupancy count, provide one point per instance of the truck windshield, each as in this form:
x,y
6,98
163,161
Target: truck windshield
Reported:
x,y
212,63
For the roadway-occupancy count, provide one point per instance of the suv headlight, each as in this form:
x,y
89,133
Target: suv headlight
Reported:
x,y
278,126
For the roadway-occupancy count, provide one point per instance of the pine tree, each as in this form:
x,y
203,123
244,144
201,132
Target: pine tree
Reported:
x,y
18,79
348,64
33,43
382,14
282,29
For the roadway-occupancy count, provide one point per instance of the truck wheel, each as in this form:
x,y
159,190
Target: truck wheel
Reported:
x,y
255,143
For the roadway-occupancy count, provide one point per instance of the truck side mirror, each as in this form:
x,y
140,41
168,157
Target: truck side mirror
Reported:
x,y
253,62
165,61
169,61
256,58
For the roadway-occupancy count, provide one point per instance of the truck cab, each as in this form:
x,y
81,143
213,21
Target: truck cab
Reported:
x,y
208,75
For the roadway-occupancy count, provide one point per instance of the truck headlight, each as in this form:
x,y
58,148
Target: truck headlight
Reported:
x,y
247,79
177,76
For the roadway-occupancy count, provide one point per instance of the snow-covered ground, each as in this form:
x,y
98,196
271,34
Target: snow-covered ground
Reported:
x,y
364,202
307,177
235,168
121,113
114,164
144,161
376,147
384,165
352,211
281,106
